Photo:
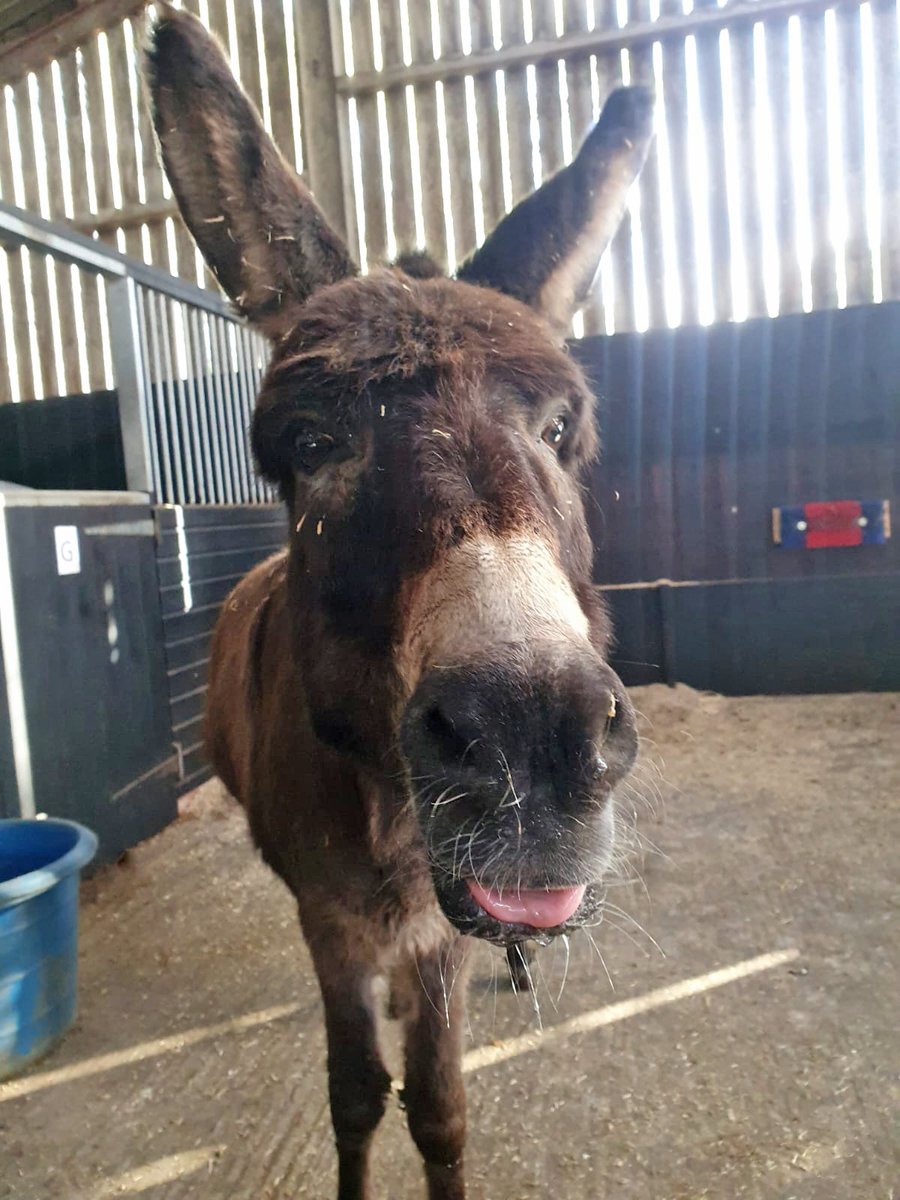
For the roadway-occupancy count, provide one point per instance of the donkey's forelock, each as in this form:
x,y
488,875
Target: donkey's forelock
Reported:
x,y
390,325
389,330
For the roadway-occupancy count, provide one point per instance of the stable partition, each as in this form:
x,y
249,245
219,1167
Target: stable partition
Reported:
x,y
705,432
202,552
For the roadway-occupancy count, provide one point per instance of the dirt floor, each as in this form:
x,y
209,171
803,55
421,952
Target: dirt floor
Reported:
x,y
770,834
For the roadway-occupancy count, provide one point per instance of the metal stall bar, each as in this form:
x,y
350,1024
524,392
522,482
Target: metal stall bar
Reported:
x,y
223,455
184,366
131,382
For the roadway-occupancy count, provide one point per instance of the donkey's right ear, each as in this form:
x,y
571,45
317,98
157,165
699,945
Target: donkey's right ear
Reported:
x,y
257,225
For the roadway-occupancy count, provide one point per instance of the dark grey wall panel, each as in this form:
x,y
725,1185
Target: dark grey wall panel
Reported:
x,y
770,636
64,442
92,667
705,430
209,549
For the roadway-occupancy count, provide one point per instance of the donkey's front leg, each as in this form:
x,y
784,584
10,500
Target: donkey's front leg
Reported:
x,y
433,1087
358,1083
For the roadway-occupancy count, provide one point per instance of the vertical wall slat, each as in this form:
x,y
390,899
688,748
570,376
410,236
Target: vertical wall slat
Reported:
x,y
101,167
40,287
459,150
549,101
853,143
126,151
518,114
709,73
579,78
247,49
578,75
18,291
186,251
886,39
745,108
648,185
398,132
786,198
15,268
65,293
276,50
824,270
427,126
487,120
77,155
371,155
41,300
675,99
6,385
100,150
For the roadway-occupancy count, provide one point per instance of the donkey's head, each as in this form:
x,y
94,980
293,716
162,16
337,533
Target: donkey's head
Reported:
x,y
427,435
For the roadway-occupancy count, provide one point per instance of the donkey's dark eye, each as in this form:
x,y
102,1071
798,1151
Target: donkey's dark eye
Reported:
x,y
554,432
311,450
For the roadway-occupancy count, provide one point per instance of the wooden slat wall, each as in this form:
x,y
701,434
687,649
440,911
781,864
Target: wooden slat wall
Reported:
x,y
738,221
762,223
214,548
82,150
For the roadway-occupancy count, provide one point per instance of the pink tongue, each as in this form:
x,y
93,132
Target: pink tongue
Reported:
x,y
540,909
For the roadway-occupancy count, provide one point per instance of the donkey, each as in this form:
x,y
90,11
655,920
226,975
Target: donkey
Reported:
x,y
412,702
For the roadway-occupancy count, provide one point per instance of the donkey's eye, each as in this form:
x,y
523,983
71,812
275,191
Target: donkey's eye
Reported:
x,y
311,450
554,432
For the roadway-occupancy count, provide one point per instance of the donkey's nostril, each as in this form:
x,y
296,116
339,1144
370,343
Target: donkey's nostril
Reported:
x,y
445,733
600,767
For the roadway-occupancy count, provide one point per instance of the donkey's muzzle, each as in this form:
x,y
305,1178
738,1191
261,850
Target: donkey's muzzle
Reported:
x,y
503,733
512,770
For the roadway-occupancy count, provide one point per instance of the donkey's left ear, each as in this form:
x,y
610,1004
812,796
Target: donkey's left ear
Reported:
x,y
547,250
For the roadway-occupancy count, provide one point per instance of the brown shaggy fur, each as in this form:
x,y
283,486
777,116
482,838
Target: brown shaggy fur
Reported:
x,y
432,619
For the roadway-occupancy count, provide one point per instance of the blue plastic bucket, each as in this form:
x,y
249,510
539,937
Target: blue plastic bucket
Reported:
x,y
40,863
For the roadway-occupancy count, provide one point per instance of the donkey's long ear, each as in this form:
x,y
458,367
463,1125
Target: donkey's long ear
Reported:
x,y
547,250
257,225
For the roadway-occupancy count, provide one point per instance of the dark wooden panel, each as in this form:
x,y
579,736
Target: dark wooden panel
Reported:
x,y
183,654
185,679
835,634
638,651
65,442
195,767
808,635
231,538
220,564
201,516
222,543
203,595
187,626
187,716
705,430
